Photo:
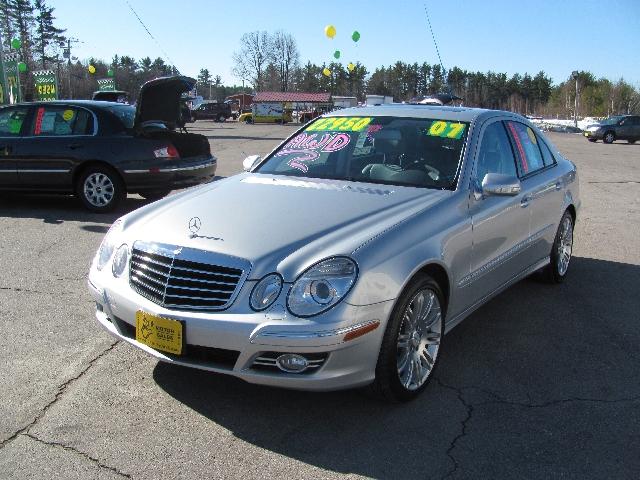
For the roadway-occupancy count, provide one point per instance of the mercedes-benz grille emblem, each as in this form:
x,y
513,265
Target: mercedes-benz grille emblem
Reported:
x,y
194,225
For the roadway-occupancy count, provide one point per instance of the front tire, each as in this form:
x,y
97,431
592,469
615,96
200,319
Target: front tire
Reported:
x,y
609,137
221,118
632,141
593,140
411,342
561,250
100,189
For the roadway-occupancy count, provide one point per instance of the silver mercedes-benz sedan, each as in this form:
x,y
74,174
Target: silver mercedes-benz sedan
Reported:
x,y
343,257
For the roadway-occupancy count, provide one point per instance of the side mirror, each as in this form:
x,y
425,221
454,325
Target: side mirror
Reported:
x,y
500,185
249,162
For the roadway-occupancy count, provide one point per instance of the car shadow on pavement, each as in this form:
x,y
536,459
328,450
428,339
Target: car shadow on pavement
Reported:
x,y
538,381
56,209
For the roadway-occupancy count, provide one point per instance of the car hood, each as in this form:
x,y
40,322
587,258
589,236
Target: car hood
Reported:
x,y
160,99
278,223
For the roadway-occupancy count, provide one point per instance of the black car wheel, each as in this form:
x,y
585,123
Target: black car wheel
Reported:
x,y
609,137
100,189
248,121
593,140
411,342
632,141
154,195
221,118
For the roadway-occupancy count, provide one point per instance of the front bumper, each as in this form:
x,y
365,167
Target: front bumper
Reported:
x,y
593,135
182,175
232,341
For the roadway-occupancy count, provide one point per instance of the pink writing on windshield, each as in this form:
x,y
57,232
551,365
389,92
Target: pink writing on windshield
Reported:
x,y
307,148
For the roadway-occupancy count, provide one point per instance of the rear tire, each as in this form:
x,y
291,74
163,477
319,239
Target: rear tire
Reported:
x,y
100,189
154,194
631,141
609,137
409,351
561,251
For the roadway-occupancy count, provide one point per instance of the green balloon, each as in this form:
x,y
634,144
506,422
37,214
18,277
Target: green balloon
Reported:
x,y
355,36
110,72
22,67
16,44
336,54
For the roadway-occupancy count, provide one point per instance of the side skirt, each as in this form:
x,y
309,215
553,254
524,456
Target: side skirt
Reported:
x,y
451,323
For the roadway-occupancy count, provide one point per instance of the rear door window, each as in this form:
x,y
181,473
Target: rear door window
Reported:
x,y
58,121
527,149
11,120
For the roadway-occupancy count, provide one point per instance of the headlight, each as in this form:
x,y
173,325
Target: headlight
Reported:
x,y
120,260
266,291
322,286
108,245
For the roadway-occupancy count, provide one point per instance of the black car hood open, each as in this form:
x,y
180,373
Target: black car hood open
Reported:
x,y
159,100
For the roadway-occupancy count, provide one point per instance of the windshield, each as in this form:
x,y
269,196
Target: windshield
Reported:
x,y
611,120
388,150
126,113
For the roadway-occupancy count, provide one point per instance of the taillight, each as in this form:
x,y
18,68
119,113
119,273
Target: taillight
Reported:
x,y
167,152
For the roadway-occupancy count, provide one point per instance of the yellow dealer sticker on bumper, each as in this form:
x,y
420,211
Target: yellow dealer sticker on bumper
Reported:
x,y
163,334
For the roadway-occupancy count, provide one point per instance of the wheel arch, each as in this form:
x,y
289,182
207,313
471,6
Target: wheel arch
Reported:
x,y
439,273
83,167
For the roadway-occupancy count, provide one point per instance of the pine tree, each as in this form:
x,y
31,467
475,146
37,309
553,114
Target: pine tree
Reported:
x,y
6,23
21,15
46,34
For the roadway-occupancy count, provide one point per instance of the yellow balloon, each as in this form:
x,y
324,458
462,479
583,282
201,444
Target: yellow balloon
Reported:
x,y
330,31
351,67
326,72
92,69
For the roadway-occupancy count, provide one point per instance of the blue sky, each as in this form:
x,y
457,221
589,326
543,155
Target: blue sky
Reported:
x,y
499,35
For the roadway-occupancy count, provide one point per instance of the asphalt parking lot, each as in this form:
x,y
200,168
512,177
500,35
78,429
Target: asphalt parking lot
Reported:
x,y
542,382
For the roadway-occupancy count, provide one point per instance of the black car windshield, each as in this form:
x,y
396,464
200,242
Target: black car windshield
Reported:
x,y
417,152
126,113
611,120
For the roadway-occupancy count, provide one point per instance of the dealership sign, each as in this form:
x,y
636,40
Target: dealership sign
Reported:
x,y
106,85
46,85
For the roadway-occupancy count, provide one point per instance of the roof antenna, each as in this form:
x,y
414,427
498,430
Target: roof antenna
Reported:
x,y
444,72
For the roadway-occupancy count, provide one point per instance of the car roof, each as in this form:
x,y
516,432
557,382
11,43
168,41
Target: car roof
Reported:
x,y
78,103
461,114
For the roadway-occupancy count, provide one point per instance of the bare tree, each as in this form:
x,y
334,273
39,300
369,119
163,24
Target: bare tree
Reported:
x,y
285,55
252,58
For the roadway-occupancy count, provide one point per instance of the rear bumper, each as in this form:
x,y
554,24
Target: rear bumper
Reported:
x,y
185,174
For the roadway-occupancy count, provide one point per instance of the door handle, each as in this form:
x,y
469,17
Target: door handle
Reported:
x,y
524,203
5,149
75,146
558,186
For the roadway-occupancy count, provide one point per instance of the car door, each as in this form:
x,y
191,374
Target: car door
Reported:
x,y
56,143
13,122
543,189
635,122
625,129
500,224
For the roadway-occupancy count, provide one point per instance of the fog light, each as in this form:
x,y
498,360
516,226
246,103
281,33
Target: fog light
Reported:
x,y
292,363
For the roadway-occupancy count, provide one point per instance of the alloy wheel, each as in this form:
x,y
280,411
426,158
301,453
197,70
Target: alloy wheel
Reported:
x,y
419,339
99,189
565,245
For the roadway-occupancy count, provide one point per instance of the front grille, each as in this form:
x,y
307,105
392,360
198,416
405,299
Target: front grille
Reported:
x,y
185,279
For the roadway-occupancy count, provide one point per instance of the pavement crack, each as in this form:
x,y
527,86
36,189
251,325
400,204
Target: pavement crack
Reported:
x,y
61,390
497,400
463,431
35,292
78,452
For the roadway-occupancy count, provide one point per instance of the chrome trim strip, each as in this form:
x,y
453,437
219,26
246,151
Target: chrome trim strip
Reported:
x,y
320,334
43,171
501,259
177,169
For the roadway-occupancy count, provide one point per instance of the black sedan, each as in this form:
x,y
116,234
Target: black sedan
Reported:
x,y
100,151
